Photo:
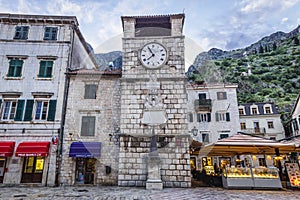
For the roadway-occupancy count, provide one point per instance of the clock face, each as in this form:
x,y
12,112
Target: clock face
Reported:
x,y
153,55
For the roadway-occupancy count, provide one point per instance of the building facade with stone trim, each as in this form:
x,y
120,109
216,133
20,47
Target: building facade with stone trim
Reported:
x,y
36,51
92,122
212,115
261,119
166,82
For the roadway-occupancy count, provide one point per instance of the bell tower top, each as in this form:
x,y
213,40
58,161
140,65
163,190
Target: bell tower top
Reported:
x,y
152,26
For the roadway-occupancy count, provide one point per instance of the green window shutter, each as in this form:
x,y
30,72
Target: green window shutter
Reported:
x,y
52,110
0,102
42,69
28,110
208,117
20,109
217,117
198,117
227,117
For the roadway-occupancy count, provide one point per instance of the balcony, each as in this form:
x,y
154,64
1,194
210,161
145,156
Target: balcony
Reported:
x,y
254,131
203,104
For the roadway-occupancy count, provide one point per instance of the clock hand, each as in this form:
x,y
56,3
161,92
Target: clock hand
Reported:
x,y
150,50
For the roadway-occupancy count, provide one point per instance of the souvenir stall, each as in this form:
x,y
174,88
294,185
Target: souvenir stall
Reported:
x,y
253,163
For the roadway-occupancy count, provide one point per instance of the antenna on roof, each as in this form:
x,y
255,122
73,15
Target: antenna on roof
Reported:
x,y
183,11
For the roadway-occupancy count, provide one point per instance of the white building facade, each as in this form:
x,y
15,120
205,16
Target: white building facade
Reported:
x,y
35,53
261,119
212,112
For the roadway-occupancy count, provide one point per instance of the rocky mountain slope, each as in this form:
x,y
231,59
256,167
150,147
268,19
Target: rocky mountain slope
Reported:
x,y
268,70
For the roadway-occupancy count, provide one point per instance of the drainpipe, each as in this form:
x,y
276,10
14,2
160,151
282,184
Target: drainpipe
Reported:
x,y
64,109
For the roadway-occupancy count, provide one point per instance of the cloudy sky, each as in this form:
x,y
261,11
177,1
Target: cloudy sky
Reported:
x,y
224,24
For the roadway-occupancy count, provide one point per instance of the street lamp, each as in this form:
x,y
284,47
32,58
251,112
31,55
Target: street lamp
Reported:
x,y
195,131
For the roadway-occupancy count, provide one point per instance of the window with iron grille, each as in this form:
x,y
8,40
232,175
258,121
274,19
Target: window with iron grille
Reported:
x,y
15,68
50,33
46,67
21,32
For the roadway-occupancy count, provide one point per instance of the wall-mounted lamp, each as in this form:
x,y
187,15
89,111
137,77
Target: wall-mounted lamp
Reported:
x,y
115,137
195,131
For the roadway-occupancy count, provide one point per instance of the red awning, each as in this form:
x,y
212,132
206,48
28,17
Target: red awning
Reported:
x,y
7,148
33,149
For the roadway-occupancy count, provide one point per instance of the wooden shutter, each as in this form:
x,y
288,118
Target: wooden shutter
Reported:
x,y
227,117
19,111
191,117
198,117
91,130
28,110
209,117
51,110
42,68
217,117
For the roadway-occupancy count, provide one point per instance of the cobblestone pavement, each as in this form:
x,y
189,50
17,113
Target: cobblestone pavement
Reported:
x,y
125,193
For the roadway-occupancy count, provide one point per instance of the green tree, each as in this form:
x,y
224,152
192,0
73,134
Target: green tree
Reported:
x,y
296,41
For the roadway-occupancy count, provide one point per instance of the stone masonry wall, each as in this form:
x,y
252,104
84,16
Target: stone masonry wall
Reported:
x,y
106,109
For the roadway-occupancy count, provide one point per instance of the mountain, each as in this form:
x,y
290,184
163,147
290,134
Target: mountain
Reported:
x,y
111,60
267,70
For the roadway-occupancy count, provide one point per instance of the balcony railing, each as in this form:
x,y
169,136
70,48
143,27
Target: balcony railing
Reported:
x,y
202,104
254,131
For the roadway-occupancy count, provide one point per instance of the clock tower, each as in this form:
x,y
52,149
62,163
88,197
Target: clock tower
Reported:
x,y
153,101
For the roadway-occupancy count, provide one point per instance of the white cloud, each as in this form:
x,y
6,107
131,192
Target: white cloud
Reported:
x,y
250,6
283,20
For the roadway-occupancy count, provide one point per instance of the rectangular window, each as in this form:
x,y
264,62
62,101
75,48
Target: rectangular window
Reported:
x,y
222,117
254,111
222,136
90,91
270,124
41,110
221,95
268,110
21,32
262,162
45,70
202,96
205,137
9,109
50,33
243,125
15,68
88,126
203,117
241,111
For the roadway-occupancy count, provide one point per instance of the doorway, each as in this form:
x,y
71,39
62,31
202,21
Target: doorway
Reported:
x,y
33,168
85,170
2,167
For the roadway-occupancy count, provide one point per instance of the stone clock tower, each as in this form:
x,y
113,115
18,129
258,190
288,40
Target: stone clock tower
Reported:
x,y
153,101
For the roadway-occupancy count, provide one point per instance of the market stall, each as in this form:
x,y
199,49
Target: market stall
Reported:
x,y
244,174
